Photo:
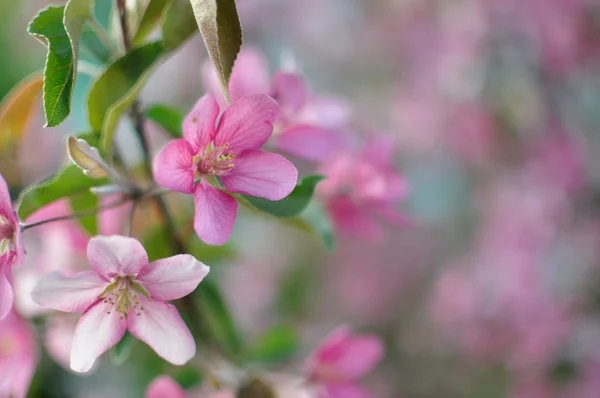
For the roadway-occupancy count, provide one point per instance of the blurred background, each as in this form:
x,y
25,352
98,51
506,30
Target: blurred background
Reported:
x,y
493,111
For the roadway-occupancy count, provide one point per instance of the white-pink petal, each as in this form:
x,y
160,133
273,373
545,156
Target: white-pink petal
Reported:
x,y
262,174
98,329
172,278
6,294
68,293
247,123
160,326
5,202
215,213
164,387
116,255
289,90
173,166
199,125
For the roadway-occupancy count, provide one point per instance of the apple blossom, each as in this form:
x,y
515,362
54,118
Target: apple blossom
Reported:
x,y
230,153
12,251
341,359
124,292
18,356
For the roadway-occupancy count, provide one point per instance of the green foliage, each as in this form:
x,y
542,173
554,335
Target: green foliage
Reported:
x,y
276,345
179,24
118,87
85,201
59,28
315,220
149,18
69,182
220,28
293,204
170,119
122,350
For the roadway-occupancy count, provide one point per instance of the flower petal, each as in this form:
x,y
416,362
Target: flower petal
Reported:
x,y
172,278
173,166
347,391
215,214
289,90
160,326
262,174
5,202
6,293
164,387
116,255
247,123
68,293
308,142
98,329
199,125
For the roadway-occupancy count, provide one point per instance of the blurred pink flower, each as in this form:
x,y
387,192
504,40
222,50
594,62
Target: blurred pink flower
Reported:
x,y
12,251
341,359
308,126
230,153
18,356
124,292
164,387
362,185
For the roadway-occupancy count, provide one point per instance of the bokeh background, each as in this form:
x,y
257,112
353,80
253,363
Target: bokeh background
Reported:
x,y
493,108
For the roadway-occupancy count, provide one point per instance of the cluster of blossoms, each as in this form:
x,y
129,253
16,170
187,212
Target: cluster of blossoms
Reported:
x,y
218,159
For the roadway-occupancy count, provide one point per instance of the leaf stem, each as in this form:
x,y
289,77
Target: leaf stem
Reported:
x,y
101,34
73,216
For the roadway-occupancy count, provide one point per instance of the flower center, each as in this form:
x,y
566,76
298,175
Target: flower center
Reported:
x,y
123,294
7,233
216,160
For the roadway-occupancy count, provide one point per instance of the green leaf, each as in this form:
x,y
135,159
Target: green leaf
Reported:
x,y
122,351
277,345
179,24
158,244
220,28
215,314
293,204
149,19
170,119
69,182
85,201
118,87
315,220
208,253
60,28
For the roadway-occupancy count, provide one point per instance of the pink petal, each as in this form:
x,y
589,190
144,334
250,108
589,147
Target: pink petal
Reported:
x,y
160,326
164,387
289,90
116,255
347,391
199,125
172,278
174,166
6,294
18,363
215,214
58,338
247,123
308,142
250,74
351,219
262,174
5,202
326,112
98,329
68,293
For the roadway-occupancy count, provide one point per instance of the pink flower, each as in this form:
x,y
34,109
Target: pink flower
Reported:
x,y
308,126
18,356
11,248
341,360
124,292
164,387
228,153
362,185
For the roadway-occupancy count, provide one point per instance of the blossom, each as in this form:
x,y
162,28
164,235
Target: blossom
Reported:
x,y
340,360
124,292
18,356
164,387
362,185
11,248
308,126
227,154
